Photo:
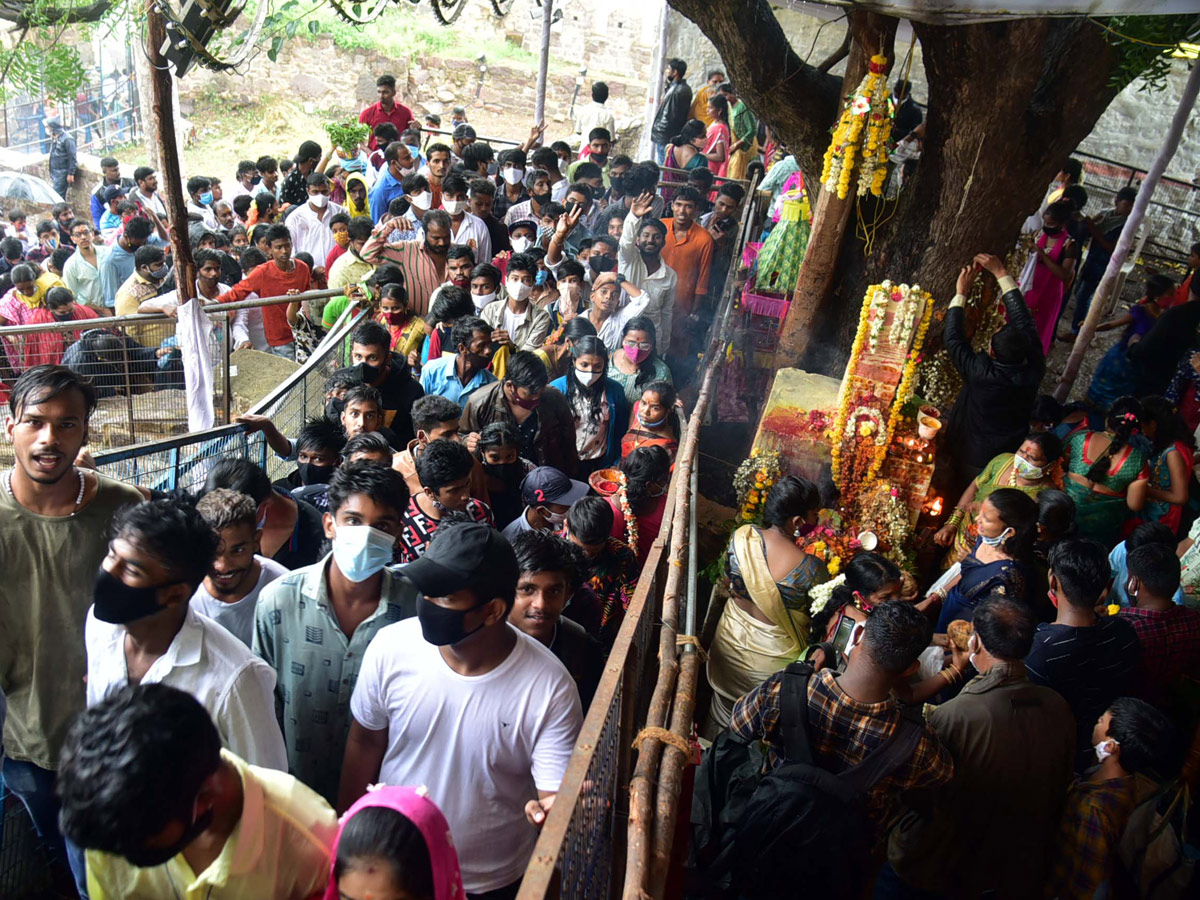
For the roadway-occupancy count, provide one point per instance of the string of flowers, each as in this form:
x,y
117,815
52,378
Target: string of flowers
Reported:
x,y
754,479
819,595
631,525
863,130
846,392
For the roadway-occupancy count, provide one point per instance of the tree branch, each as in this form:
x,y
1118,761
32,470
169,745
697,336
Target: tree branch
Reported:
x,y
837,55
23,14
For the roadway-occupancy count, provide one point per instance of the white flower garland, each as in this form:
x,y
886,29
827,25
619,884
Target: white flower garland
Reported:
x,y
819,595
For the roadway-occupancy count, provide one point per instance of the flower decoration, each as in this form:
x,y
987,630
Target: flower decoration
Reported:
x,y
753,481
819,594
863,131
631,524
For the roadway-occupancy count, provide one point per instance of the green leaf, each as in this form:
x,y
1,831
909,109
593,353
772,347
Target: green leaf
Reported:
x,y
276,44
314,27
291,28
356,9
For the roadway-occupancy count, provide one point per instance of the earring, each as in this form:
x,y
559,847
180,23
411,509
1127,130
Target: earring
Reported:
x,y
796,533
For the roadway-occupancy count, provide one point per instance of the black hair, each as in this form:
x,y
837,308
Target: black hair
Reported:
x,y
174,534
1046,409
590,519
263,203
359,227
1076,195
461,251
239,475
1157,567
643,467
587,169
443,462
487,270
721,105
372,334
1158,286
599,91
522,262
439,147
1060,211
476,153
438,217
593,393
58,297
1124,420
732,190
317,179
1150,533
1169,426
321,434
686,193
667,396
790,497
12,248
866,573
59,257
278,233
388,81
147,256
203,256
570,267
1149,741
646,368
23,272
482,186
41,383
1050,445
308,150
599,134
1128,193
465,328
385,133
1056,514
367,442
895,635
360,392
453,184
525,370
652,222
383,484
384,834
305,257
197,184
552,210
677,65
141,173
343,218
1005,626
1011,345
245,166
497,434
1082,570
132,764
266,164
692,129
138,228
386,274
432,410
607,241
515,155
1073,168
544,158
451,304
251,259
1018,511
541,551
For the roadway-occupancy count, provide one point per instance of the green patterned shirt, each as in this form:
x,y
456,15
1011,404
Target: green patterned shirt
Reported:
x,y
316,665
743,124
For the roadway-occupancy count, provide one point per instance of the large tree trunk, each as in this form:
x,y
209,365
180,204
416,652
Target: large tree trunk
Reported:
x,y
1008,102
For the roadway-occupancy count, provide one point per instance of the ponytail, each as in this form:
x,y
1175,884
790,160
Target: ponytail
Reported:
x,y
1124,421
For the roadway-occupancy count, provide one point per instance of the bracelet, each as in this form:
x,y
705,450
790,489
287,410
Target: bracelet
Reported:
x,y
956,516
951,678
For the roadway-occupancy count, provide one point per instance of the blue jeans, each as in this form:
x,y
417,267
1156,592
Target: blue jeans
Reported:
x,y
660,153
34,787
1084,288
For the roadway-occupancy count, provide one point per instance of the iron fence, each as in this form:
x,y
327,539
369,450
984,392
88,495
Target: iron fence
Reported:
x,y
103,114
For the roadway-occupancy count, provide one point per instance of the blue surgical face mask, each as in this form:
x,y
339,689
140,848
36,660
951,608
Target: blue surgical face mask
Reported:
x,y
360,550
414,150
206,198
541,276
998,539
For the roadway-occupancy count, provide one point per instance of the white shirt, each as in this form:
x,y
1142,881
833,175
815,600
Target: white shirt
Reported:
x,y
313,235
154,203
660,286
207,216
559,189
610,331
204,660
472,228
593,115
238,618
483,745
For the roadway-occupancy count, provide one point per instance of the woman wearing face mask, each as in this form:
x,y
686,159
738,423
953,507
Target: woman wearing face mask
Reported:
x,y
1007,527
653,421
647,472
407,330
1049,270
1035,467
17,306
636,362
499,451
1108,473
598,406
764,625
557,349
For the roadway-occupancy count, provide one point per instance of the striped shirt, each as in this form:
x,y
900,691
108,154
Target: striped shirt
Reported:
x,y
417,528
421,274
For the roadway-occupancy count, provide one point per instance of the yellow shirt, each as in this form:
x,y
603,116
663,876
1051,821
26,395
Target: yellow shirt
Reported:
x,y
48,280
280,850
699,108
129,297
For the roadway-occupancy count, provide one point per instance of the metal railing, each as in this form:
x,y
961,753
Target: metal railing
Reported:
x,y
610,830
103,114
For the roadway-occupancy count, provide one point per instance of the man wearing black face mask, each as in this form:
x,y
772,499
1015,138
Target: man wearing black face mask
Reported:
x,y
148,789
371,356
444,686
318,450
141,629
150,269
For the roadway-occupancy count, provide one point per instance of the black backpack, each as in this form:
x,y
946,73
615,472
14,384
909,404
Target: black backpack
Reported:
x,y
803,827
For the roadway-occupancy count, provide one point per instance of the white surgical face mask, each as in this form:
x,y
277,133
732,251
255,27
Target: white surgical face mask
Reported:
x,y
1104,749
360,550
421,200
587,379
521,244
454,207
517,290
482,300
512,176
320,201
555,519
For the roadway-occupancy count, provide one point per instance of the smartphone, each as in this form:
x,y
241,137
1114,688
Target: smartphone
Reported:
x,y
841,637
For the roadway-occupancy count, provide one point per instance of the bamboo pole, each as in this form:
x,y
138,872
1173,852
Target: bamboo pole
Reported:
x,y
1125,242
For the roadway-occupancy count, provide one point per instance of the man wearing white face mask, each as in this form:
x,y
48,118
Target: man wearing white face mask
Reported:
x,y
310,223
1013,745
313,626
548,495
519,324
511,182
397,164
465,229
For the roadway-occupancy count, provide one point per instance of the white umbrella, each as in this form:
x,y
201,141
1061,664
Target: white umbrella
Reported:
x,y
20,186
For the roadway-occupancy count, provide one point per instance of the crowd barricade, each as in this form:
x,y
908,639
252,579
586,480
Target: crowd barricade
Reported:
x,y
611,829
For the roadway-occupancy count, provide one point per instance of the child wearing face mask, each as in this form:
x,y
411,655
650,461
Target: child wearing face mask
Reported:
x,y
653,421
499,451
598,405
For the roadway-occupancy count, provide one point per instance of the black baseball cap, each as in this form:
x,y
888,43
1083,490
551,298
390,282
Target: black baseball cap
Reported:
x,y
463,555
113,191
546,484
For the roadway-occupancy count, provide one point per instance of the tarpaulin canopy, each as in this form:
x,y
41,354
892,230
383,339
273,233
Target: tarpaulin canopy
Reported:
x,y
965,11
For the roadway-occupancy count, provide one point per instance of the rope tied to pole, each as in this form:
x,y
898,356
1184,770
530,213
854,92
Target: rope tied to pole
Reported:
x,y
664,736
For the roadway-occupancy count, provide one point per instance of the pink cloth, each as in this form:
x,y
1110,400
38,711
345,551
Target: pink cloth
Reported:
x,y
1045,298
718,133
414,805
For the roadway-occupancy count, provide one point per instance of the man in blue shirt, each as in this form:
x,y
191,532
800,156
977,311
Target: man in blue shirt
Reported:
x,y
1104,230
456,377
118,265
397,163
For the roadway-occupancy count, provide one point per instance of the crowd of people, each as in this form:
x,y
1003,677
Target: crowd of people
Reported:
x,y
408,626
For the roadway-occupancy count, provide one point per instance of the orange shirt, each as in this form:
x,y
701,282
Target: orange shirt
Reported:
x,y
691,258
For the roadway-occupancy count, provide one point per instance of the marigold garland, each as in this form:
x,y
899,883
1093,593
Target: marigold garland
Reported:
x,y
754,479
863,130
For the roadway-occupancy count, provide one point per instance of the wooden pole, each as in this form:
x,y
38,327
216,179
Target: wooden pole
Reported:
x,y
539,105
871,34
171,182
1125,242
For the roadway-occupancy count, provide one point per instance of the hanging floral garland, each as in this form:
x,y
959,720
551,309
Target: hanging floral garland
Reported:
x,y
754,479
863,130
631,523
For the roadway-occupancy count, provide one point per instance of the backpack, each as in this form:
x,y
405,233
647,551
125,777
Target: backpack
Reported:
x,y
1153,851
806,826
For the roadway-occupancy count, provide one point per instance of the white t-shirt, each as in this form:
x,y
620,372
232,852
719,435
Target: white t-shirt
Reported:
x,y
483,745
238,618
512,321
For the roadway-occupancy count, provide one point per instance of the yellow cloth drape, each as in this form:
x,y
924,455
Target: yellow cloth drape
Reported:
x,y
351,207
